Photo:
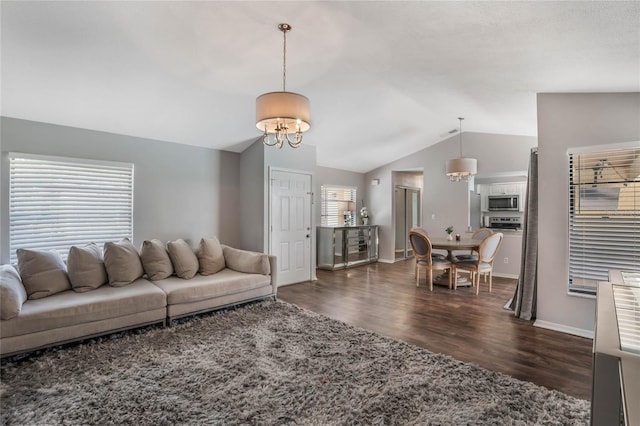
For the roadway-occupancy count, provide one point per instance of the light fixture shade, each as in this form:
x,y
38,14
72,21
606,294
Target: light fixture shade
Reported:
x,y
277,108
462,167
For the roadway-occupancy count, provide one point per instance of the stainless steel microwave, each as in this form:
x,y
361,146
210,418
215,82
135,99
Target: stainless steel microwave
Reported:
x,y
504,202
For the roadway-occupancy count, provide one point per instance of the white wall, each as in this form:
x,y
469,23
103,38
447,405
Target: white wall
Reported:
x,y
180,191
446,202
568,121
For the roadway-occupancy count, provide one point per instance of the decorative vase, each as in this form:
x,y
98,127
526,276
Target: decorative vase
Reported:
x,y
365,220
449,237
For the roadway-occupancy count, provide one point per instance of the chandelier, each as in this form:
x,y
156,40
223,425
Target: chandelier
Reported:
x,y
459,169
283,115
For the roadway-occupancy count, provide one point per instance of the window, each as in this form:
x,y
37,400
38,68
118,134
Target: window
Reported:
x,y
55,203
604,216
338,206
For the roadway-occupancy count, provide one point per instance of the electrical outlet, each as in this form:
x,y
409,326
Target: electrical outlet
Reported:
x,y
506,260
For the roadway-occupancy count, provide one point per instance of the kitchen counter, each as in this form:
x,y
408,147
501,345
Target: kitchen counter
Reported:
x,y
507,261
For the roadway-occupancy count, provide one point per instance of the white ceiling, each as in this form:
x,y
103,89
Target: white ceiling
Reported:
x,y
385,79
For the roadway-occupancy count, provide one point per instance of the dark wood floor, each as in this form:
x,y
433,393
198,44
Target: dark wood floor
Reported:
x,y
383,298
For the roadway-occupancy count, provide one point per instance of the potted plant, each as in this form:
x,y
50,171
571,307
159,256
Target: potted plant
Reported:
x,y
449,230
364,215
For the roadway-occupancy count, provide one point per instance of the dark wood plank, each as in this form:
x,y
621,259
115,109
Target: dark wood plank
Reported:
x,y
384,298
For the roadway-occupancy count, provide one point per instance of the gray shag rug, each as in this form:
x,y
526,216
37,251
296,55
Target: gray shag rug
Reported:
x,y
269,363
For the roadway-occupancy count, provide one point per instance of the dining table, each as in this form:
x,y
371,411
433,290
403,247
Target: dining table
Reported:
x,y
464,244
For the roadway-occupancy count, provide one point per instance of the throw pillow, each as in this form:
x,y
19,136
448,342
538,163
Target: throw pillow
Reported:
x,y
210,256
122,262
155,260
246,261
12,292
43,272
86,268
183,258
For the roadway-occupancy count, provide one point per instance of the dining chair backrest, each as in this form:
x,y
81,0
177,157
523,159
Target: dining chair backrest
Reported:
x,y
420,230
481,233
421,244
489,247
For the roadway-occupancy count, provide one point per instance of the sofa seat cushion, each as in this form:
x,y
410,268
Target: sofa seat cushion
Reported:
x,y
70,308
203,287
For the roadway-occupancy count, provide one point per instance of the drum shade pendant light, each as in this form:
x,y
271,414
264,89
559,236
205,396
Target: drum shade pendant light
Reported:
x,y
461,169
283,115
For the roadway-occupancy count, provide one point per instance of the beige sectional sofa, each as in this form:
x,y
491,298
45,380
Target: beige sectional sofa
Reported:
x,y
31,321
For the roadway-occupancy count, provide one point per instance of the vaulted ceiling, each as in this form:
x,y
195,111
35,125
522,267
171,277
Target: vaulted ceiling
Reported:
x,y
385,79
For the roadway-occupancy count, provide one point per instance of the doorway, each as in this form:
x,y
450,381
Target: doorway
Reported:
x,y
290,225
407,214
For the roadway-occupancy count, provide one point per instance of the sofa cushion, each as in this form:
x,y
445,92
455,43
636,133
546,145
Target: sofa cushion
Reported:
x,y
69,308
202,287
122,262
183,258
246,261
43,272
210,256
155,260
12,292
86,268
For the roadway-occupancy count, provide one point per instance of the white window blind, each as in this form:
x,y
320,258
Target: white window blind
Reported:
x,y
604,216
338,205
55,202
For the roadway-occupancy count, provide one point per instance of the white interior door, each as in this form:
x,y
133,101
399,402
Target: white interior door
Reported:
x,y
290,226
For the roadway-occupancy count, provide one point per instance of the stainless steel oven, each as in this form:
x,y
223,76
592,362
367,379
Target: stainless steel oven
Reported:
x,y
504,202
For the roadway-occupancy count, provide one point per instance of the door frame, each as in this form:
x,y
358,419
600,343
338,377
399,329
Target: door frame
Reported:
x,y
395,220
312,252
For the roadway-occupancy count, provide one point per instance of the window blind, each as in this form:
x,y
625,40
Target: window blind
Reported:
x,y
55,203
338,205
604,216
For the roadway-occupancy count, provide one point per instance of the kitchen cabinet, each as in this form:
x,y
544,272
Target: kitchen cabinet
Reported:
x,y
522,192
484,197
346,246
503,189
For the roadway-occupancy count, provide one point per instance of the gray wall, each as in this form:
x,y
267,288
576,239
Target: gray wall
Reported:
x,y
569,121
444,203
253,197
180,191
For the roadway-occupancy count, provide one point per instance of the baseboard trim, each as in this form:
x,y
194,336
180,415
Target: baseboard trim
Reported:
x,y
498,274
387,261
564,328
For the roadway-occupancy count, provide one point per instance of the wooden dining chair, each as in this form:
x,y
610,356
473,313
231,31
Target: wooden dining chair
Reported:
x,y
424,260
484,263
479,234
424,232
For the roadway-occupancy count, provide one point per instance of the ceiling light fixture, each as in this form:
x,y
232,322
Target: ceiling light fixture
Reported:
x,y
461,168
283,114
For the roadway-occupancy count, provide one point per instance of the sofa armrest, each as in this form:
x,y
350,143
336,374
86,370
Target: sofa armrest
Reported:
x,y
273,263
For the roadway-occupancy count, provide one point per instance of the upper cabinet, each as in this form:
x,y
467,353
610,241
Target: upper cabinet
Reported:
x,y
504,189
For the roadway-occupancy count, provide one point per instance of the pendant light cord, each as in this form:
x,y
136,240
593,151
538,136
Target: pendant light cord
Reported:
x,y
284,61
460,118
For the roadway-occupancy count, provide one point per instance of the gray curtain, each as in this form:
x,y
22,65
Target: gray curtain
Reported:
x,y
524,299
